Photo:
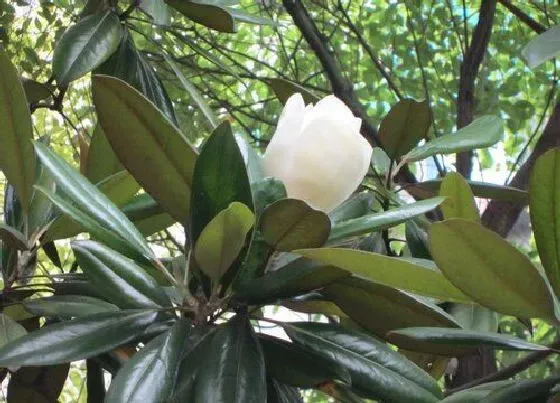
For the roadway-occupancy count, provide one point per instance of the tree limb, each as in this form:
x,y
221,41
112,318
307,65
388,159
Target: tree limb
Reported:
x,y
530,22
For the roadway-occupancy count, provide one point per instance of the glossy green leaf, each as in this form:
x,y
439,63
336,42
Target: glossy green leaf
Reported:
x,y
382,220
459,202
233,370
379,309
480,189
293,279
102,161
118,278
35,91
222,240
10,330
543,47
149,146
86,45
17,160
76,340
544,203
93,204
480,263
478,393
355,207
290,224
130,65
462,337
525,390
404,126
157,9
393,272
206,12
483,132
119,188
376,371
293,365
220,178
12,238
284,89
149,376
68,306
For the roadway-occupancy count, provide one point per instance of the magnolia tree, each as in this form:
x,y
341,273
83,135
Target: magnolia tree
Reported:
x,y
306,227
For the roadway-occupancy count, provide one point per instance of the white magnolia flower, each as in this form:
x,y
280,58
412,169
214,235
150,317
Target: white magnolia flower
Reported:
x,y
318,152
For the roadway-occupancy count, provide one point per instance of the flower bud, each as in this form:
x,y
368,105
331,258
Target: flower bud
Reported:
x,y
318,152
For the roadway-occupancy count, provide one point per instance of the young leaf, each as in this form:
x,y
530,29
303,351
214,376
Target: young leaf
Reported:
x,y
93,205
220,178
490,270
462,337
68,306
544,203
17,160
118,278
404,126
383,220
222,240
482,132
233,370
149,145
86,45
149,376
377,372
459,202
542,48
389,271
290,224
76,340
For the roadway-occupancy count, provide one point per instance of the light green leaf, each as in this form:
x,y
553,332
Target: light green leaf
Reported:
x,y
489,270
284,89
483,132
10,330
102,161
17,160
86,45
222,240
543,47
459,202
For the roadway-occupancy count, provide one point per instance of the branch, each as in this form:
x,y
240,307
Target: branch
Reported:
x,y
469,71
530,22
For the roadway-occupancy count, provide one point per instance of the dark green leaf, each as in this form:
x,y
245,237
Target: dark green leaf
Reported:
x,y
68,306
76,340
35,91
86,45
206,12
479,262
95,381
149,146
266,192
12,238
17,160
10,330
355,207
280,393
404,126
290,224
383,220
149,376
480,189
483,132
37,385
118,278
523,391
377,371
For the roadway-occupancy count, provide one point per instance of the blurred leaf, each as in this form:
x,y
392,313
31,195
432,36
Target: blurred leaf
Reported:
x,y
525,390
542,48
147,215
17,160
12,238
149,146
480,189
462,338
393,272
157,9
76,340
459,202
209,13
68,306
544,194
483,132
266,192
382,220
417,241
41,210
490,270
404,126
37,385
475,317
233,370
284,89
119,279
95,210
221,241
102,161
377,371
149,376
290,224
35,91
86,45
10,330
280,393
